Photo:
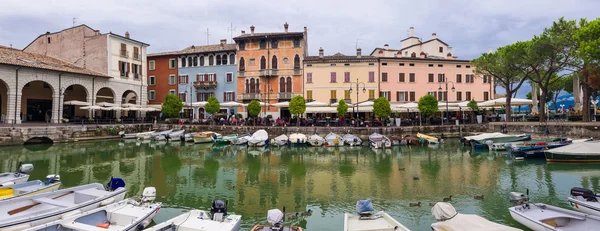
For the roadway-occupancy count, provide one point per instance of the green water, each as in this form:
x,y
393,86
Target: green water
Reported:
x,y
328,181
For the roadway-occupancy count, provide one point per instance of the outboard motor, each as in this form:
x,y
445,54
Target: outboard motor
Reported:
x,y
115,183
275,218
218,210
587,194
25,168
52,179
122,134
490,144
518,198
149,194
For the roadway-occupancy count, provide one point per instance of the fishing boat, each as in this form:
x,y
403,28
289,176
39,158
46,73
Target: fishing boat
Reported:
x,y
396,140
316,140
367,219
125,136
585,201
352,140
298,139
333,140
576,152
240,139
176,135
410,140
275,218
131,214
279,141
205,137
10,191
377,140
188,137
488,142
144,135
161,136
19,176
199,220
429,139
543,217
449,219
467,139
258,139
26,212
224,140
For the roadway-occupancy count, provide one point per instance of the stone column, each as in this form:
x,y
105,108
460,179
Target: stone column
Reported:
x,y
118,113
55,109
18,108
90,99
10,108
534,107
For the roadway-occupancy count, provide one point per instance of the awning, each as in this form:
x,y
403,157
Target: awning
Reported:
x,y
107,104
281,104
230,104
76,103
316,104
94,107
502,102
334,109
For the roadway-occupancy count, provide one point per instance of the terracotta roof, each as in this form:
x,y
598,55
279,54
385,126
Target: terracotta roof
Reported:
x,y
17,57
197,49
424,43
409,38
275,35
339,57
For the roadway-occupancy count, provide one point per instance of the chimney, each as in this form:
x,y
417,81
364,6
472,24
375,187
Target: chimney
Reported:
x,y
321,52
358,52
285,26
412,31
223,42
243,32
305,30
434,36
252,29
126,34
386,46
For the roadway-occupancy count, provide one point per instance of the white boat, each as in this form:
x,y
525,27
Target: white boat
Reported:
x,y
279,141
125,136
10,190
161,136
131,214
352,140
585,201
449,219
333,140
20,176
27,212
543,217
188,137
367,219
275,218
240,139
258,139
377,140
199,220
316,140
144,135
204,137
484,136
175,135
298,139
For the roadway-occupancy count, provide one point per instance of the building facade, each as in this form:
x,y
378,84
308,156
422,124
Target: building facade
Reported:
x,y
270,68
120,57
162,75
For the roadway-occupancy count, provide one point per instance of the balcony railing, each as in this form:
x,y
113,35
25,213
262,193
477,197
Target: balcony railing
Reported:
x,y
249,96
124,53
205,84
348,101
269,72
136,56
125,74
285,95
297,72
241,73
332,101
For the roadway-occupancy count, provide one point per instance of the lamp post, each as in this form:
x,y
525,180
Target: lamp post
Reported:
x,y
357,91
446,95
595,102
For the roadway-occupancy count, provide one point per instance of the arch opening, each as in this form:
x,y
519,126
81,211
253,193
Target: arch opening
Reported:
x,y
74,92
36,102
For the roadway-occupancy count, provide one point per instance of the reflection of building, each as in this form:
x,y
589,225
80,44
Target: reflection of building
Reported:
x,y
120,57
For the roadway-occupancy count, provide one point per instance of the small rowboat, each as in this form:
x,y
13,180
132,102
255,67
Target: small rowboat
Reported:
x,y
333,140
279,141
316,140
199,220
20,176
275,218
258,139
366,219
144,135
11,191
352,140
298,139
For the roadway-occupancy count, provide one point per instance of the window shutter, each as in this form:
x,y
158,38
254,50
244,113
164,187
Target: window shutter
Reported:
x,y
120,67
224,96
398,96
127,64
445,96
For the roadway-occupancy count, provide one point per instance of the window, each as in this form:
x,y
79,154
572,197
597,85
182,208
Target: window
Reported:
x,y
385,94
371,64
242,46
172,80
48,39
401,64
296,62
229,96
183,62
151,65
218,59
458,96
468,95
195,61
274,43
405,53
346,94
183,79
467,66
123,50
411,64
383,64
412,96
413,55
190,62
371,94
172,92
442,95
346,77
430,80
151,80
211,60
182,96
486,96
333,94
309,77
440,65
263,44
229,77
333,64
371,76
201,60
332,77
458,66
441,78
430,65
172,63
401,96
441,49
309,95
468,78
384,77
242,64
412,77
296,43
458,78
124,68
401,78
231,59
224,60
486,79
274,63
263,63
152,95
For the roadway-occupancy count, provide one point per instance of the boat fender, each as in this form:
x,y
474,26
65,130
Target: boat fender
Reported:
x,y
107,201
70,214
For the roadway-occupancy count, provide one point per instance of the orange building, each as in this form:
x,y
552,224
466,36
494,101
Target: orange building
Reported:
x,y
270,68
162,72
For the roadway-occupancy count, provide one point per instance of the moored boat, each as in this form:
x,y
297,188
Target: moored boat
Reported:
x,y
10,191
429,139
19,176
576,152
175,135
367,219
258,138
449,219
488,142
275,218
240,139
279,140
125,136
298,139
199,220
396,140
222,140
334,140
352,140
585,201
410,140
144,135
316,140
161,136
188,137
205,137
377,140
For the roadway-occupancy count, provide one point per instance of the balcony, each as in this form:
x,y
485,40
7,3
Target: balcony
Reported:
x,y
125,74
205,84
136,56
136,76
249,96
297,71
241,73
348,101
332,101
124,53
285,95
269,72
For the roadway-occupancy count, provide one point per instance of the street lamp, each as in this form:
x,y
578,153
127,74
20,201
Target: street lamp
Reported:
x,y
595,102
357,91
446,95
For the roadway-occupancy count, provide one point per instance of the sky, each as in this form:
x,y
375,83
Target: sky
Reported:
x,y
471,27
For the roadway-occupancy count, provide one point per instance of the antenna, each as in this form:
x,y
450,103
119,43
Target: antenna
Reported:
x,y
74,21
231,29
356,44
207,36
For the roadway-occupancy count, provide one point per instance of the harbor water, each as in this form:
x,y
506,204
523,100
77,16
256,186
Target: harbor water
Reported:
x,y
328,181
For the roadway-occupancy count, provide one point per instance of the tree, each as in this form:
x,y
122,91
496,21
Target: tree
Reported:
x,y
507,69
297,107
474,108
172,106
587,43
568,83
212,106
381,108
428,105
342,108
556,88
254,109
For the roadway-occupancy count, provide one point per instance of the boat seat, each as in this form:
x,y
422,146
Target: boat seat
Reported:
x,y
83,226
49,201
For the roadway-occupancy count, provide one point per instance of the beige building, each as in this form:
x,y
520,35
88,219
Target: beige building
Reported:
x,y
415,47
329,79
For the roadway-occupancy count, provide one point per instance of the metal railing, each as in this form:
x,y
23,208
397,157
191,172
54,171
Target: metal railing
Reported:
x,y
205,84
124,53
249,96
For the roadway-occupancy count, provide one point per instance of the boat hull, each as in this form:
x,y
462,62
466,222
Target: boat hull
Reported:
x,y
316,143
21,178
253,143
203,140
553,157
47,188
588,207
198,220
379,221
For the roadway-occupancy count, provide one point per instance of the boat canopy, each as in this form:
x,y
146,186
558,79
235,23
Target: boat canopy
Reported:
x,y
484,136
449,219
581,149
260,135
274,216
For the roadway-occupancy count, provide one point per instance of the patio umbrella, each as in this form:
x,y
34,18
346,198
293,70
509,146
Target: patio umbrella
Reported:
x,y
107,104
366,103
230,104
281,104
93,107
199,104
129,105
76,103
316,104
115,109
502,102
336,104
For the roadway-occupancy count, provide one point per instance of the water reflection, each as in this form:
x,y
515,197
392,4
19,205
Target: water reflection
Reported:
x,y
326,180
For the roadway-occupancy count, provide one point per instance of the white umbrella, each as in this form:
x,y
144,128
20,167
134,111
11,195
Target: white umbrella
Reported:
x,y
199,104
77,103
115,109
366,103
129,105
443,104
230,104
94,107
502,102
410,107
151,109
107,104
316,104
281,104
336,104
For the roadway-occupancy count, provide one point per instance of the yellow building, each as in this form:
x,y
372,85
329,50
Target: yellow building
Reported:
x,y
329,79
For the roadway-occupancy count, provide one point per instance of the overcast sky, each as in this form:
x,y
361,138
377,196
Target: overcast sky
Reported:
x,y
469,26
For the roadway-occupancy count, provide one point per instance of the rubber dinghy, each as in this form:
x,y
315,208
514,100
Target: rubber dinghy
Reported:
x,y
367,219
199,220
19,176
11,191
131,214
27,212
